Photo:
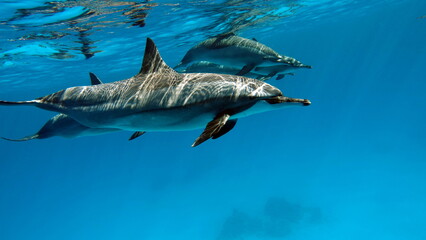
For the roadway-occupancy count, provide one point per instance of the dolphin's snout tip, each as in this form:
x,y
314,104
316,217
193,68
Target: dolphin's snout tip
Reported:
x,y
306,102
301,65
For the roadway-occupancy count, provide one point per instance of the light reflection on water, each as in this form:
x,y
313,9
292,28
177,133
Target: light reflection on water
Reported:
x,y
72,31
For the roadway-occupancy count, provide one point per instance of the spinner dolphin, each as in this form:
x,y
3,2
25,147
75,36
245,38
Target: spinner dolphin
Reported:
x,y
240,53
259,73
160,99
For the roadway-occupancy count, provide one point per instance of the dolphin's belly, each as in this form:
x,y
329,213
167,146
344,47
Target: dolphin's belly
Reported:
x,y
168,119
162,120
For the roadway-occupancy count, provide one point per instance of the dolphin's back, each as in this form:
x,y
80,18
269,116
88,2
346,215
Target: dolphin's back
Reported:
x,y
236,41
156,91
236,44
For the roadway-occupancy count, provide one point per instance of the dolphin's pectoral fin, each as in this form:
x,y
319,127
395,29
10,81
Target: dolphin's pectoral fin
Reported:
x,y
271,75
136,134
246,69
229,125
94,79
280,76
212,129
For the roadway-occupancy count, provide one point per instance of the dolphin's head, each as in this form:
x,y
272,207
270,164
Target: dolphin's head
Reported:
x,y
273,103
261,90
273,97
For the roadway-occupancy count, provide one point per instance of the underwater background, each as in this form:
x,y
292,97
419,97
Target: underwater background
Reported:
x,y
350,166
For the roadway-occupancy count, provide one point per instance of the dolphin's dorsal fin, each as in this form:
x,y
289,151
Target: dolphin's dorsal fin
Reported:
x,y
218,42
94,79
225,35
152,61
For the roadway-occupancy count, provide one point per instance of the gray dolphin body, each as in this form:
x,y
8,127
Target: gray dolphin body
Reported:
x,y
62,125
240,53
209,67
160,99
259,73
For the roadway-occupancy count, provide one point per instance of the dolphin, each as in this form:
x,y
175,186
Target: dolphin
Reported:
x,y
64,126
259,73
241,53
209,67
160,99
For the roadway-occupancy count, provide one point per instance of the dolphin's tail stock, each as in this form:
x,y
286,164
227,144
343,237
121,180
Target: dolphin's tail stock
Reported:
x,y
35,136
31,102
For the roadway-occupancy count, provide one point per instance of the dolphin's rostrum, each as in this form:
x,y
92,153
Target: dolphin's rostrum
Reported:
x,y
160,99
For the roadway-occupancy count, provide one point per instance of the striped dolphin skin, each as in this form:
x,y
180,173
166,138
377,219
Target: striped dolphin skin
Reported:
x,y
240,53
160,99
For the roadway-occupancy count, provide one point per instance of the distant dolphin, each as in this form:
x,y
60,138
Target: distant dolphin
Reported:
x,y
259,73
209,67
160,99
237,52
64,126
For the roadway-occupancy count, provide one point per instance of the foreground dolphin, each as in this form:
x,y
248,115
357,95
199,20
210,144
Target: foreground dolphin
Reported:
x,y
62,125
160,99
237,52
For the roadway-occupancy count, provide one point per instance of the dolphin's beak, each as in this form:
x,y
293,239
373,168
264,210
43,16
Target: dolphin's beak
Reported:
x,y
283,99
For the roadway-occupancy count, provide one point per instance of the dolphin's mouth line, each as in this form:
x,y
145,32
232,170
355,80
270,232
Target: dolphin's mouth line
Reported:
x,y
283,99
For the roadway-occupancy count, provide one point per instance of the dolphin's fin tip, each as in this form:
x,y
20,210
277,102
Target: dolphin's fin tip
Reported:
x,y
94,79
280,76
136,134
152,61
213,129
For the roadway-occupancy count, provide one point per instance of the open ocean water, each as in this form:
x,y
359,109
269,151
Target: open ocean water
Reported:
x,y
350,166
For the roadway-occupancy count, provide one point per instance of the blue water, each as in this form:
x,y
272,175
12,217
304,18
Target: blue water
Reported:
x,y
350,166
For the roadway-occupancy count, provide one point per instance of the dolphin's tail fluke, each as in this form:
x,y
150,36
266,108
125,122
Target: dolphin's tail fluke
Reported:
x,y
32,102
35,136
